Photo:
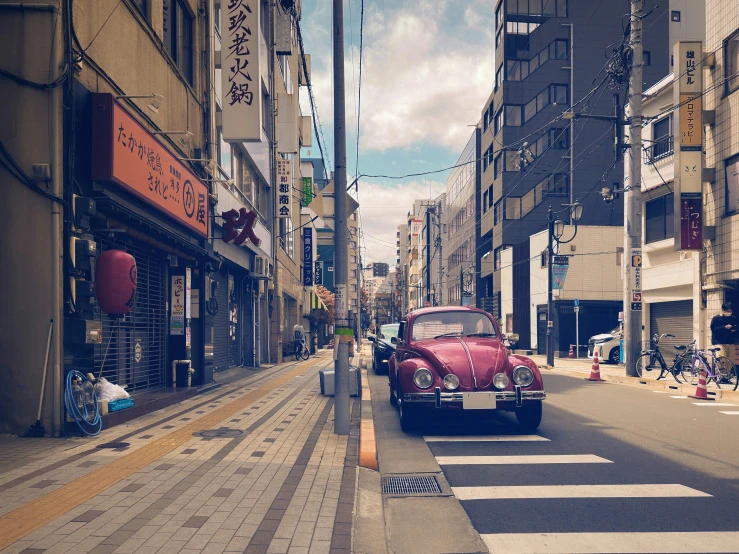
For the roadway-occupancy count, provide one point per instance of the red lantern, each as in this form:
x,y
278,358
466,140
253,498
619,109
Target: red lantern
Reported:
x,y
115,282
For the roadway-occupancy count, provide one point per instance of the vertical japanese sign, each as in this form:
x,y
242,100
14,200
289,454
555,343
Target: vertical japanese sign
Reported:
x,y
177,317
689,149
307,256
240,70
188,288
284,184
319,273
560,266
635,279
307,190
416,227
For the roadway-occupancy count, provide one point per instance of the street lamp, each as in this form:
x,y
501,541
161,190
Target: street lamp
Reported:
x,y
556,230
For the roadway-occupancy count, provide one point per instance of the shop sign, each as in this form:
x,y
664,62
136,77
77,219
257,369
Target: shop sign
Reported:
x,y
177,316
188,286
241,70
307,257
560,265
307,190
319,273
284,184
691,223
635,279
239,226
416,227
125,153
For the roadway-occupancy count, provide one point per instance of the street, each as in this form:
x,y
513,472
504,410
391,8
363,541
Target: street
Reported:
x,y
612,469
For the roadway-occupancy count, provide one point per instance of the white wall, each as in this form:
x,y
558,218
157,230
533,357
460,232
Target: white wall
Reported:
x,y
537,279
506,286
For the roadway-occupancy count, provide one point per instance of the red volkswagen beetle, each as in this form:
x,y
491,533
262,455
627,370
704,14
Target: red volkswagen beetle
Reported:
x,y
453,357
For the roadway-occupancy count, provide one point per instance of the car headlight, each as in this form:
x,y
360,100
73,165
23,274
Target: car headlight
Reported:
x,y
500,381
451,382
423,378
523,376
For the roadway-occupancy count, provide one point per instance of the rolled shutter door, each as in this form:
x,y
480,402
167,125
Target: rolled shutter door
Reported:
x,y
671,317
220,324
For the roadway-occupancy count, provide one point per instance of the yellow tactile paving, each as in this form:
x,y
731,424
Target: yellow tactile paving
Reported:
x,y
26,519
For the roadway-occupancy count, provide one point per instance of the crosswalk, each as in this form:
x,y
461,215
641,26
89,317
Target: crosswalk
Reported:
x,y
526,493
704,404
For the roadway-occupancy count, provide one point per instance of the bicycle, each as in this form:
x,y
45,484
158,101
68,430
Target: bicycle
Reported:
x,y
721,370
648,359
301,350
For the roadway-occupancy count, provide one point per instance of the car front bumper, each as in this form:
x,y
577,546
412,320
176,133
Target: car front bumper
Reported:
x,y
503,399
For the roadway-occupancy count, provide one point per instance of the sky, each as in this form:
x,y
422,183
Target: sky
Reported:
x,y
427,70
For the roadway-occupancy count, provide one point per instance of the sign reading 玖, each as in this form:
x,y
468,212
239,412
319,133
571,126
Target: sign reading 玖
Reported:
x,y
241,71
125,153
284,184
239,226
688,193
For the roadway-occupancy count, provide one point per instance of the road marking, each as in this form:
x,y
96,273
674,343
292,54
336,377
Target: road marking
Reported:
x,y
540,459
580,543
576,491
712,404
730,413
661,391
487,438
678,397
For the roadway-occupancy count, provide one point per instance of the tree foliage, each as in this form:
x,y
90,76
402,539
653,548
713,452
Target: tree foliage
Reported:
x,y
327,297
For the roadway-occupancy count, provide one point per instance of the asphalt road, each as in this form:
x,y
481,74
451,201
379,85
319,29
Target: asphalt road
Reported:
x,y
622,469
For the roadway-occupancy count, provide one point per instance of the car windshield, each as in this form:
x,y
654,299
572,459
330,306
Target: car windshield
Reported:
x,y
389,331
452,324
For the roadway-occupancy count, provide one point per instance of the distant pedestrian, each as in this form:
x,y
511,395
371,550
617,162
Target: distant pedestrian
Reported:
x,y
724,331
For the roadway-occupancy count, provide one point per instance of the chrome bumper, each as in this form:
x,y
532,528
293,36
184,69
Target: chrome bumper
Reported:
x,y
438,397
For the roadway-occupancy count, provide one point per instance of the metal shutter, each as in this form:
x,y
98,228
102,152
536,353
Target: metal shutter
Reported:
x,y
247,318
671,317
133,347
219,324
234,319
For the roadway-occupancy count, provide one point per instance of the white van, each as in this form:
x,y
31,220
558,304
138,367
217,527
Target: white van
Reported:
x,y
607,345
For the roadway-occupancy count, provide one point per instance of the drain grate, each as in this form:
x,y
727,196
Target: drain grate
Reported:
x,y
113,445
224,433
410,485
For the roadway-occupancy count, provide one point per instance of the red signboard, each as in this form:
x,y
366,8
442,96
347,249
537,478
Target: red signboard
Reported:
x,y
125,153
691,223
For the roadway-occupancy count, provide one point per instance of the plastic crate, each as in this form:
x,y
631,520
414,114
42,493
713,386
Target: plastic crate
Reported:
x,y
118,405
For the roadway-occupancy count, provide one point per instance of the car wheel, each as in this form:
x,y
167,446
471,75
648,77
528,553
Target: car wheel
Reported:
x,y
407,413
529,416
393,397
374,364
615,356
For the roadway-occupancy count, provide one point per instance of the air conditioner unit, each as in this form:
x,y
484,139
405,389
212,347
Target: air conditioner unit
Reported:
x,y
261,267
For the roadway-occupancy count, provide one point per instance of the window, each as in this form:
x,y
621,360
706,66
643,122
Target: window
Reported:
x,y
498,166
513,116
498,37
490,197
731,62
498,213
178,36
732,185
675,16
662,144
498,121
647,58
529,110
660,223
484,201
224,155
499,76
619,255
560,185
559,138
513,208
499,15
559,94
141,5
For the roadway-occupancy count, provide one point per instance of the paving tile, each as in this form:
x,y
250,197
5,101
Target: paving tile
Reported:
x,y
189,450
88,463
223,493
146,436
43,484
164,467
279,546
32,551
89,515
133,487
196,521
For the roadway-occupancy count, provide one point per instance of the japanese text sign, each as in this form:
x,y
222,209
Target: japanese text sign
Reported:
x,y
240,70
284,186
239,226
307,256
691,223
125,153
307,190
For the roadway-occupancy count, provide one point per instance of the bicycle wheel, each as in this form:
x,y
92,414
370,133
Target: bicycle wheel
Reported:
x,y
305,353
726,372
690,371
297,353
645,363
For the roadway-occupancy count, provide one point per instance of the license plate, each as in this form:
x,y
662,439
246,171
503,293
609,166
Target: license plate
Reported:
x,y
478,400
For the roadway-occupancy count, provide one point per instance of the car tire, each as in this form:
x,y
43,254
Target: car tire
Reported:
x,y
614,357
529,416
374,364
407,414
393,397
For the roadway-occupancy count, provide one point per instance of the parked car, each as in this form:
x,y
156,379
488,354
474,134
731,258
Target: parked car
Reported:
x,y
452,358
382,347
607,345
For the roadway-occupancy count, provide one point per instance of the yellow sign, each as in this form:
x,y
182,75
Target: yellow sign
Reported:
x,y
635,261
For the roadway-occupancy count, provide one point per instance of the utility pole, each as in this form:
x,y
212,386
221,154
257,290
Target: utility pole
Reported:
x,y
461,284
632,220
428,253
342,329
550,282
441,258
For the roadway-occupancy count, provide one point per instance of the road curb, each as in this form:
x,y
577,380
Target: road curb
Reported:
x,y
648,383
367,438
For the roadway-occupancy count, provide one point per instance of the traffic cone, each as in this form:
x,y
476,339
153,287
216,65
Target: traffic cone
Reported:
x,y
595,370
700,392
572,352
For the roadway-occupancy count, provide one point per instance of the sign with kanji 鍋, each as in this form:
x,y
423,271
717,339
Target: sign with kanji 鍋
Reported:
x,y
307,257
307,190
241,71
284,186
125,153
239,226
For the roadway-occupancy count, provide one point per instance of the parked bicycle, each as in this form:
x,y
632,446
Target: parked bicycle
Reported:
x,y
301,349
721,370
652,359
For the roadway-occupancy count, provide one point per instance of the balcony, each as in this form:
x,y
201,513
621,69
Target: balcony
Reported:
x,y
658,150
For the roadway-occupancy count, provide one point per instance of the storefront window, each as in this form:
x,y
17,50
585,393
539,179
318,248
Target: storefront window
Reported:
x,y
732,185
731,54
659,218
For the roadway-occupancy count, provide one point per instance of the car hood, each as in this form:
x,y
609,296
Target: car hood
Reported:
x,y
602,337
385,343
473,360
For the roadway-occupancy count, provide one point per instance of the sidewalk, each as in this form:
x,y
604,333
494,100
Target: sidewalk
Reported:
x,y
253,466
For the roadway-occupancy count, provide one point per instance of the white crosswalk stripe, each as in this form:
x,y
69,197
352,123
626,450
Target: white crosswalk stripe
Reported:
x,y
576,491
579,543
487,438
520,460
729,413
714,404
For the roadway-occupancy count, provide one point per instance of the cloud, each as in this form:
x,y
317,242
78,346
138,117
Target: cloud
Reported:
x,y
383,207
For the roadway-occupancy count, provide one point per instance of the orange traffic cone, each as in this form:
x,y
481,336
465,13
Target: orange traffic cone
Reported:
x,y
572,352
595,370
700,392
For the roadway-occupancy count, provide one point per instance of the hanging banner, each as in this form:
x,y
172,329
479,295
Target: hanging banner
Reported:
x,y
284,183
319,273
177,315
307,256
307,190
560,265
688,185
241,70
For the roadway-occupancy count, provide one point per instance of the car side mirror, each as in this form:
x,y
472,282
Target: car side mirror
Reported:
x,y
513,337
372,338
395,340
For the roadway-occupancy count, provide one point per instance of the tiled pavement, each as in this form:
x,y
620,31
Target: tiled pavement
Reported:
x,y
283,483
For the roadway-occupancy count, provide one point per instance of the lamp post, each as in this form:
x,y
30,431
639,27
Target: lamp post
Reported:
x,y
556,230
